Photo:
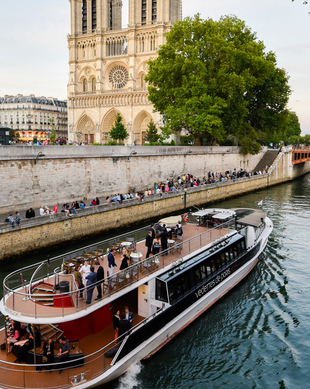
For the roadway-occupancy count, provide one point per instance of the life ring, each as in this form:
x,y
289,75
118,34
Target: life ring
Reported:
x,y
185,217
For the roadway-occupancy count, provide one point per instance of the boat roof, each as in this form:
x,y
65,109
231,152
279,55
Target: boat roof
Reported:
x,y
217,213
171,221
250,217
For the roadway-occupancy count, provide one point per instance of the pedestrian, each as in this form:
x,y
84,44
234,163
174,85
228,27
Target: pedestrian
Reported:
x,y
112,263
17,218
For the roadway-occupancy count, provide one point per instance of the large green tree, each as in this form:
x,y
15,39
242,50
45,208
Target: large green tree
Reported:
x,y
118,131
215,80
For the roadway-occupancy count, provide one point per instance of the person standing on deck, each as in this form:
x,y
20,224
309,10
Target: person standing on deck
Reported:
x,y
91,280
112,263
149,243
100,277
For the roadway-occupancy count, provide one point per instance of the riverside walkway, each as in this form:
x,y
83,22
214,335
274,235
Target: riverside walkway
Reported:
x,y
103,207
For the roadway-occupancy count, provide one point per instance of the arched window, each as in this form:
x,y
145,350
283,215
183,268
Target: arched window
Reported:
x,y
93,84
84,85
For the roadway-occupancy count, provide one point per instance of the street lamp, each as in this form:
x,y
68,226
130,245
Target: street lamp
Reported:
x,y
40,154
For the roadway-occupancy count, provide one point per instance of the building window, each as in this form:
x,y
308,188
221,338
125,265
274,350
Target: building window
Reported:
x,y
143,12
84,85
94,14
84,17
154,11
93,84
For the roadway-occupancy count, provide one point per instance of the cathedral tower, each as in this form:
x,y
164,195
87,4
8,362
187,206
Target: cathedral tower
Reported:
x,y
108,64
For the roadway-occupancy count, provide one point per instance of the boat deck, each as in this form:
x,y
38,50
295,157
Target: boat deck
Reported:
x,y
194,237
95,362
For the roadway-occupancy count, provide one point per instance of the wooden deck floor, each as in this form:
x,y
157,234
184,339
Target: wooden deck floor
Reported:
x,y
193,238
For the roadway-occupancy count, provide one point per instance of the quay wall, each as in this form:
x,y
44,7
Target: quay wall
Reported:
x,y
32,176
43,231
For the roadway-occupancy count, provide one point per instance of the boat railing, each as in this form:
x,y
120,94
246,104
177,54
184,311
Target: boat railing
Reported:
x,y
86,367
69,303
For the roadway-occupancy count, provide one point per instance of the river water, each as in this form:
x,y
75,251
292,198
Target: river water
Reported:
x,y
258,336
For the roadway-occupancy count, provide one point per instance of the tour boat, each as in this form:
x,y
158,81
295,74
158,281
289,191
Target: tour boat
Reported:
x,y
165,292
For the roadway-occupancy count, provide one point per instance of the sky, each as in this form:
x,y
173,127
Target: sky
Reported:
x,y
34,51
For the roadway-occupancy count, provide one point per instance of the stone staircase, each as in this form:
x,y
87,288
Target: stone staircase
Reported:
x,y
267,160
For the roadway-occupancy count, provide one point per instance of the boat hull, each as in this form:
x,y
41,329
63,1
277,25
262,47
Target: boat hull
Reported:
x,y
183,319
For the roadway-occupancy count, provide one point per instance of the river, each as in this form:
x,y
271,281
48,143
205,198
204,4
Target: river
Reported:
x,y
258,336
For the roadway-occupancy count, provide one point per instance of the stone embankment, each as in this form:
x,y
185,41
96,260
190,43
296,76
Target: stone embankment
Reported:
x,y
46,231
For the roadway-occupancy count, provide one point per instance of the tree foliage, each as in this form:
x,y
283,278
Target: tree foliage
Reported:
x,y
118,131
151,134
215,80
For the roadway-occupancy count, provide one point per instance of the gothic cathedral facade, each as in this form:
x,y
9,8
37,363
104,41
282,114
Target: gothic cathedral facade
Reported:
x,y
108,64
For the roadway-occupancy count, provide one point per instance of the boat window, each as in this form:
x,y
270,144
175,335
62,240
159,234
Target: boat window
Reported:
x,y
223,260
208,269
242,245
192,278
227,256
235,252
213,268
203,272
179,289
172,294
198,276
161,291
231,254
186,284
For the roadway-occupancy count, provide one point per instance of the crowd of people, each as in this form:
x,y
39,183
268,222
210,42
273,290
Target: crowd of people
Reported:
x,y
169,185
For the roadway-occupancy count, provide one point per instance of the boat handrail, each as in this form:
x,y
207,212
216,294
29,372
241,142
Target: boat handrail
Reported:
x,y
119,350
101,351
112,282
60,257
34,273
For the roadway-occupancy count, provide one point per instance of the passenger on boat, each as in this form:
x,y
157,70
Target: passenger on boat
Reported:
x,y
164,239
149,243
91,280
64,351
13,335
100,277
129,316
124,263
85,270
159,226
153,231
112,263
116,319
156,244
78,279
48,353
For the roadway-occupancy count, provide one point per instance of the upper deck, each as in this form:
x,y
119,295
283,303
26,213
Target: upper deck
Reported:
x,y
24,299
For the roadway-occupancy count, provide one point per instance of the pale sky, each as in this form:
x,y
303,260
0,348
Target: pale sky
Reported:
x,y
34,53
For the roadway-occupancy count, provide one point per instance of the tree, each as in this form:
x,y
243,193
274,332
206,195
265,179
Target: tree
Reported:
x,y
118,131
53,133
214,80
151,134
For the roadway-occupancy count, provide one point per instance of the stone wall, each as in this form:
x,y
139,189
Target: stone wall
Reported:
x,y
32,176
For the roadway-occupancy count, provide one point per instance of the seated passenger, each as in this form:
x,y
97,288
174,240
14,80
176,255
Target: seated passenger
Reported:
x,y
64,351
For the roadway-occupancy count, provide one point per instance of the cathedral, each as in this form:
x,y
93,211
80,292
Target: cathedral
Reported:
x,y
108,64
